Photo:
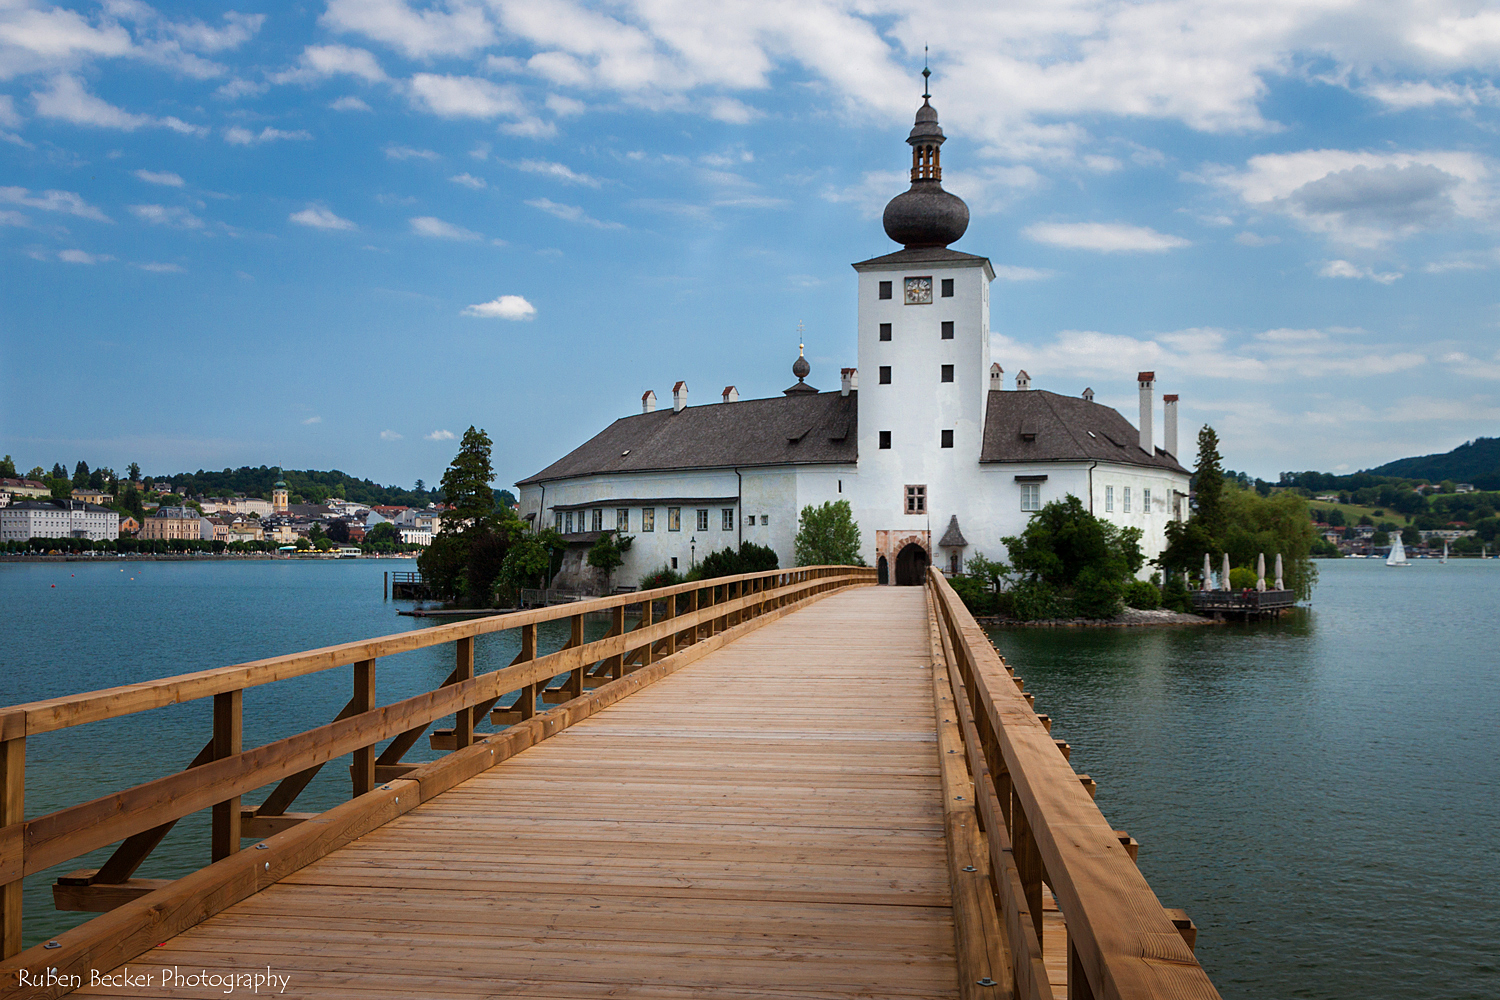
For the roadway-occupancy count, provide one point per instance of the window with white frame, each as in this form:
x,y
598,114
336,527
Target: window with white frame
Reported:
x,y
1109,498
648,518
674,518
1126,507
570,523
702,520
916,499
1145,499
598,520
558,515
622,519
727,516
765,519
1031,496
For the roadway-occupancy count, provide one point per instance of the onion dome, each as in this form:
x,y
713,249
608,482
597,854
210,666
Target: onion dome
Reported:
x,y
926,215
800,368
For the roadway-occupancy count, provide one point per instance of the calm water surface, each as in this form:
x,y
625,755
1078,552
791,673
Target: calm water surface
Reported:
x,y
1320,794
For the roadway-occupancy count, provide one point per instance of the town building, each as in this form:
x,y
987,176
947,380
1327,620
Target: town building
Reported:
x,y
93,496
28,519
166,523
280,498
938,459
20,489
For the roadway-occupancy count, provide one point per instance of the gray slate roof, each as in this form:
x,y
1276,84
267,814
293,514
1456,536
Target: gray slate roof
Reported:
x,y
1065,428
953,538
800,429
925,255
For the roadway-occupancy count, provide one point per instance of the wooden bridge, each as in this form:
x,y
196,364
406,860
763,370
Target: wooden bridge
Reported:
x,y
790,784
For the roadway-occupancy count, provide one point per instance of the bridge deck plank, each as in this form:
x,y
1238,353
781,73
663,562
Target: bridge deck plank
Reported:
x,y
765,823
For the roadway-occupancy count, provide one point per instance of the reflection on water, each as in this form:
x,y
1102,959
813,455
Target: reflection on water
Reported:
x,y
1319,793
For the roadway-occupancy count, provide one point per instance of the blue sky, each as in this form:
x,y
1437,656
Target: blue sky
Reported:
x,y
335,234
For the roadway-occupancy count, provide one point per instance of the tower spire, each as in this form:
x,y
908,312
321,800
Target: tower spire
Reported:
x,y
926,76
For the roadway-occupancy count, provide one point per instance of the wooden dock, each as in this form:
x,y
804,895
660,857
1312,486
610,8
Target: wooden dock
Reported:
x,y
797,799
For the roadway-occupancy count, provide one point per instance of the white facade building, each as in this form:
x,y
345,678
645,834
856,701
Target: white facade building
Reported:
x,y
57,519
938,460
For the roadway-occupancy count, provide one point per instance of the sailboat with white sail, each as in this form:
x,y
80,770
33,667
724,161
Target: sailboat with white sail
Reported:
x,y
1398,552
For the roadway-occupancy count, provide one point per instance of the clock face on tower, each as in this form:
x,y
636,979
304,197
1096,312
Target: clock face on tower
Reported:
x,y
919,291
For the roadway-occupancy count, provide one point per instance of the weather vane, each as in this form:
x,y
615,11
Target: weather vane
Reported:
x,y
800,344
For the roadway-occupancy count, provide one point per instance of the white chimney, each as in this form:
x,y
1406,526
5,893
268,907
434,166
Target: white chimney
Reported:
x,y
1088,395
1023,381
848,381
1146,380
648,401
997,378
1169,424
679,397
731,394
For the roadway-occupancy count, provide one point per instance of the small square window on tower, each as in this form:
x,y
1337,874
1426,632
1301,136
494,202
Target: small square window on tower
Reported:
x,y
885,439
947,288
885,289
885,331
947,373
947,439
916,499
947,329
885,374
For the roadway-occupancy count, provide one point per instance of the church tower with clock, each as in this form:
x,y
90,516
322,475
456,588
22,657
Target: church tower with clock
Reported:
x,y
924,359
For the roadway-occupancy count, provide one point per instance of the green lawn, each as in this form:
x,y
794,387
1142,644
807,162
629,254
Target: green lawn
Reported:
x,y
1353,513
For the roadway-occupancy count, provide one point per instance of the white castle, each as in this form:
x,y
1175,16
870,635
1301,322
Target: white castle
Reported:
x,y
937,459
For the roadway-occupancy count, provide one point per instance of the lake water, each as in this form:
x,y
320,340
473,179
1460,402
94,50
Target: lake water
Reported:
x,y
1319,793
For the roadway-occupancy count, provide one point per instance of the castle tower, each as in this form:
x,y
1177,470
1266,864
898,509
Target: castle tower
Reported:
x,y
279,497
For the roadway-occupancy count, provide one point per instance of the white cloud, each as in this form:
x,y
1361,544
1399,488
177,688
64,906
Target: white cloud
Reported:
x,y
349,103
1104,237
389,436
462,96
505,307
9,117
69,101
312,420
1344,269
426,225
557,172
167,215
81,257
407,153
571,213
458,30
1007,272
321,62
53,201
160,268
727,109
1249,239
470,181
1366,199
165,177
319,217
237,136
440,436
238,87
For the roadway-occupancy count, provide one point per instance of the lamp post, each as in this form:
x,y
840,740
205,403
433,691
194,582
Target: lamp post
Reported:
x,y
692,551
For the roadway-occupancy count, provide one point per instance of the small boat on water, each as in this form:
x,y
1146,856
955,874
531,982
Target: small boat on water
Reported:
x,y
1398,553
1445,551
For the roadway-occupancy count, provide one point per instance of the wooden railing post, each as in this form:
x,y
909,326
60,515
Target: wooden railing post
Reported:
x,y
574,684
463,670
527,698
12,814
364,700
614,667
648,616
228,740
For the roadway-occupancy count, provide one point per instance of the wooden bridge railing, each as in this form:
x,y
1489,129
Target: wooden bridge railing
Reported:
x,y
676,625
1042,826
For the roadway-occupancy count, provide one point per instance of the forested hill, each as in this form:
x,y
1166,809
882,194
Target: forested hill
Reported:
x,y
306,486
1476,462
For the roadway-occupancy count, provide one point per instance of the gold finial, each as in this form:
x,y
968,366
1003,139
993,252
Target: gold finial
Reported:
x,y
800,344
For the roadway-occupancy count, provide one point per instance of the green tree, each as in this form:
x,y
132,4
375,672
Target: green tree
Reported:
x,y
1080,556
1268,525
1208,483
466,483
1410,535
316,533
7,468
81,475
383,533
608,553
748,558
58,472
61,487
135,472
527,564
338,531
131,501
37,474
827,536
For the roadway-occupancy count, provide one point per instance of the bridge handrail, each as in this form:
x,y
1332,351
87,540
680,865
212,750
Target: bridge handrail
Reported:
x,y
1043,826
142,815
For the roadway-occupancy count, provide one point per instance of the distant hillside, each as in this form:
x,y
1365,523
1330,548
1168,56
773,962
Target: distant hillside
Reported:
x,y
1476,462
311,485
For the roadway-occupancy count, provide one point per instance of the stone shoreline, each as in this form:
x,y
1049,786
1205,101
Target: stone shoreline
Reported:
x,y
1129,618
